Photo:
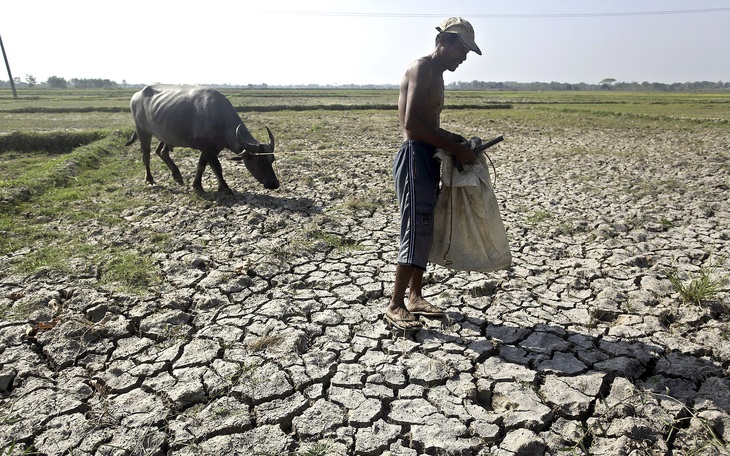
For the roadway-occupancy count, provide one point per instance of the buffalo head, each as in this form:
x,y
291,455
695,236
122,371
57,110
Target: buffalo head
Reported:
x,y
258,158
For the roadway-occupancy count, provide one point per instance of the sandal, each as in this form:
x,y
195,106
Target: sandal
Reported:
x,y
423,307
402,324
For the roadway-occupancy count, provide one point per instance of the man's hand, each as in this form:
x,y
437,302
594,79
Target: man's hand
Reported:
x,y
463,154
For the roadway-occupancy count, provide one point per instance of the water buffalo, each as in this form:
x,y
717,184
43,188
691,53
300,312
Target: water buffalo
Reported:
x,y
200,118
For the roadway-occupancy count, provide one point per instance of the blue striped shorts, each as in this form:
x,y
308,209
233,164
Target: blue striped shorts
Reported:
x,y
416,174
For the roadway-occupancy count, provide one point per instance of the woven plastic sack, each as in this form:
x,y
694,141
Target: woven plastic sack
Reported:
x,y
468,231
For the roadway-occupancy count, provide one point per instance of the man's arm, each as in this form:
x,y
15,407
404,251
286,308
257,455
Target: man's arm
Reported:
x,y
420,119
452,136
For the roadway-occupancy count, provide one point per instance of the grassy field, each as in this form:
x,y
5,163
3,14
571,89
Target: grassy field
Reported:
x,y
52,164
51,110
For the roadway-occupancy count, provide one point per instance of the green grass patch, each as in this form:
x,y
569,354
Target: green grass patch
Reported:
x,y
651,188
49,143
361,203
42,205
50,257
701,287
316,235
34,174
130,271
537,217
114,267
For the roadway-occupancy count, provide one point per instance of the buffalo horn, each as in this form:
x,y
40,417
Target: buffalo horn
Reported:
x,y
251,148
256,148
272,141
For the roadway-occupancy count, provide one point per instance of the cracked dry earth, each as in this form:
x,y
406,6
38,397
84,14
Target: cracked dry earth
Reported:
x,y
265,335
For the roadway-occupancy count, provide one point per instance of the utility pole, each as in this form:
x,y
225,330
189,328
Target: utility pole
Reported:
x,y
7,65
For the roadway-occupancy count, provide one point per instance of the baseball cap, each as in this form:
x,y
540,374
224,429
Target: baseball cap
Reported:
x,y
463,29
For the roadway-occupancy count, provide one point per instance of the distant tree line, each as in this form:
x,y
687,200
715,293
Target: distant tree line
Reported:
x,y
55,82
606,84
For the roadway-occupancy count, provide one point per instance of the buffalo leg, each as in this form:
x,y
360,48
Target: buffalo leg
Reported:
x,y
211,158
163,151
145,142
198,181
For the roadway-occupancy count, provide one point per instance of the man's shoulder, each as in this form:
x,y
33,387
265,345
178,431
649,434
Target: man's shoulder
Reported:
x,y
422,62
421,66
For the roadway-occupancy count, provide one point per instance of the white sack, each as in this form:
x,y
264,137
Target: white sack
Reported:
x,y
468,232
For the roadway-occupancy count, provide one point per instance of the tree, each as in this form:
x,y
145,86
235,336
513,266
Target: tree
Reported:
x,y
30,80
55,82
93,83
607,83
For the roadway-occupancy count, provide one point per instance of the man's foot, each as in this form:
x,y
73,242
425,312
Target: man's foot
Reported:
x,y
420,306
401,319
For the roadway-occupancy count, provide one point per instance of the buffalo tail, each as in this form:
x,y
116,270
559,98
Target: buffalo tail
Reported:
x,y
132,139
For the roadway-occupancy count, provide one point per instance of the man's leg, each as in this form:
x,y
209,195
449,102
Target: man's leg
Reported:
x,y
397,308
416,304
415,286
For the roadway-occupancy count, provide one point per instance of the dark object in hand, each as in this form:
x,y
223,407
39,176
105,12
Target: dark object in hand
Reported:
x,y
481,149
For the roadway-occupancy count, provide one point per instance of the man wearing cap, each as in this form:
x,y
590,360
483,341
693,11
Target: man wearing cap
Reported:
x,y
417,173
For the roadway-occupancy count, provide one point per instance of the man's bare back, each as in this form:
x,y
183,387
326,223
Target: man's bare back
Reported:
x,y
421,95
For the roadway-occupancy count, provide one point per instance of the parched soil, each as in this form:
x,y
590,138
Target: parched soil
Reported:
x,y
265,335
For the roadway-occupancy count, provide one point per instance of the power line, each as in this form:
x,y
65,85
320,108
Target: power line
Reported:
x,y
604,14
504,16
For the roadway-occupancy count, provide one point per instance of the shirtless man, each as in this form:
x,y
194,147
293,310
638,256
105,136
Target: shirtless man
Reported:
x,y
416,173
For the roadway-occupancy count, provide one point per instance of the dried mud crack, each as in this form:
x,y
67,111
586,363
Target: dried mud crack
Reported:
x,y
264,333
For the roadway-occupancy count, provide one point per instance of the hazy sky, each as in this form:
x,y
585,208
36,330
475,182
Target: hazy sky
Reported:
x,y
280,42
